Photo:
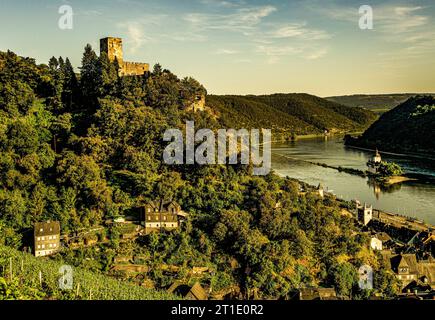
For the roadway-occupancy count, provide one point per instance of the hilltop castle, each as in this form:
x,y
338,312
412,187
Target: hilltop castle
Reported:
x,y
113,48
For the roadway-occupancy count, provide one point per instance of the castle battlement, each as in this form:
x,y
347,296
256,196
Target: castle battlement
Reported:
x,y
113,48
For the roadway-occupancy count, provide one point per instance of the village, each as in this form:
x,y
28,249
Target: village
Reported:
x,y
406,246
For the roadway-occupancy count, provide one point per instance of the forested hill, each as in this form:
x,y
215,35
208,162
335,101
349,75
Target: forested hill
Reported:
x,y
378,103
289,113
408,128
87,150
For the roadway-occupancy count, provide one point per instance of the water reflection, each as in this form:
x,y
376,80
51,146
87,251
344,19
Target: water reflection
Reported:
x,y
380,188
412,198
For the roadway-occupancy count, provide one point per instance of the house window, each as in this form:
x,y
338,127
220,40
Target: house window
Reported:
x,y
39,238
42,238
157,218
164,218
39,247
40,230
43,246
149,209
54,237
54,245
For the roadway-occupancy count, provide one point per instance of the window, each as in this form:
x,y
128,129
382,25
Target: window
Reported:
x,y
40,230
157,218
149,217
42,238
54,245
39,247
39,238
149,209
43,246
49,237
54,237
164,218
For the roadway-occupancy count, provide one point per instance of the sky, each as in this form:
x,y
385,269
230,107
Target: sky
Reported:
x,y
243,46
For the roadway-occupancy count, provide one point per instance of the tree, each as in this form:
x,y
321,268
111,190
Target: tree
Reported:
x,y
90,77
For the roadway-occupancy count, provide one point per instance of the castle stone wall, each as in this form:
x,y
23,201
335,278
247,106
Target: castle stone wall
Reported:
x,y
113,48
134,68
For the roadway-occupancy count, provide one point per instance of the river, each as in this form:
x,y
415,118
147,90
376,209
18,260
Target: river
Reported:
x,y
412,198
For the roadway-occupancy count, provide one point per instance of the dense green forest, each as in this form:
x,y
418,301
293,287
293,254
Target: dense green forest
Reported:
x,y
84,148
289,114
408,128
378,103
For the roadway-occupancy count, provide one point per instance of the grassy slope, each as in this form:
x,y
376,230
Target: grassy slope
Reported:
x,y
101,286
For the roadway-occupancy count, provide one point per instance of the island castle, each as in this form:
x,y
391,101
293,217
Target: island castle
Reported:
x,y
113,48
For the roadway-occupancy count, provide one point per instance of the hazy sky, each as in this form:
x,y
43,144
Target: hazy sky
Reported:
x,y
242,46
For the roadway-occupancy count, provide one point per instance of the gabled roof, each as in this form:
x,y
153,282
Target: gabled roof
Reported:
x,y
405,261
46,228
427,269
163,206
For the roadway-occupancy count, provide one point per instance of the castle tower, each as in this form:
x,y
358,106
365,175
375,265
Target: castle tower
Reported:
x,y
113,48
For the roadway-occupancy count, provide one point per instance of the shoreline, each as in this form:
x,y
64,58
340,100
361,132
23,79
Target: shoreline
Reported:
x,y
409,155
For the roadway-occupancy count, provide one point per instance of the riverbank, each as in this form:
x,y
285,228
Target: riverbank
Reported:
x,y
408,155
321,135
397,179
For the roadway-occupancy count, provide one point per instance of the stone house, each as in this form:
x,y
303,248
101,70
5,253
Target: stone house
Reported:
x,y
46,238
159,216
409,270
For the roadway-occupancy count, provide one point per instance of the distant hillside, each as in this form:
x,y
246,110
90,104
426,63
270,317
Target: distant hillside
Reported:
x,y
375,102
289,113
408,128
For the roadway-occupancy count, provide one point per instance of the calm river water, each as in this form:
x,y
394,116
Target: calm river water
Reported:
x,y
414,199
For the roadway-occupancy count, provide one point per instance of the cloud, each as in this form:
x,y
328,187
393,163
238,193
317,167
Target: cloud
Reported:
x,y
136,37
300,31
223,3
241,20
391,19
317,54
226,52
